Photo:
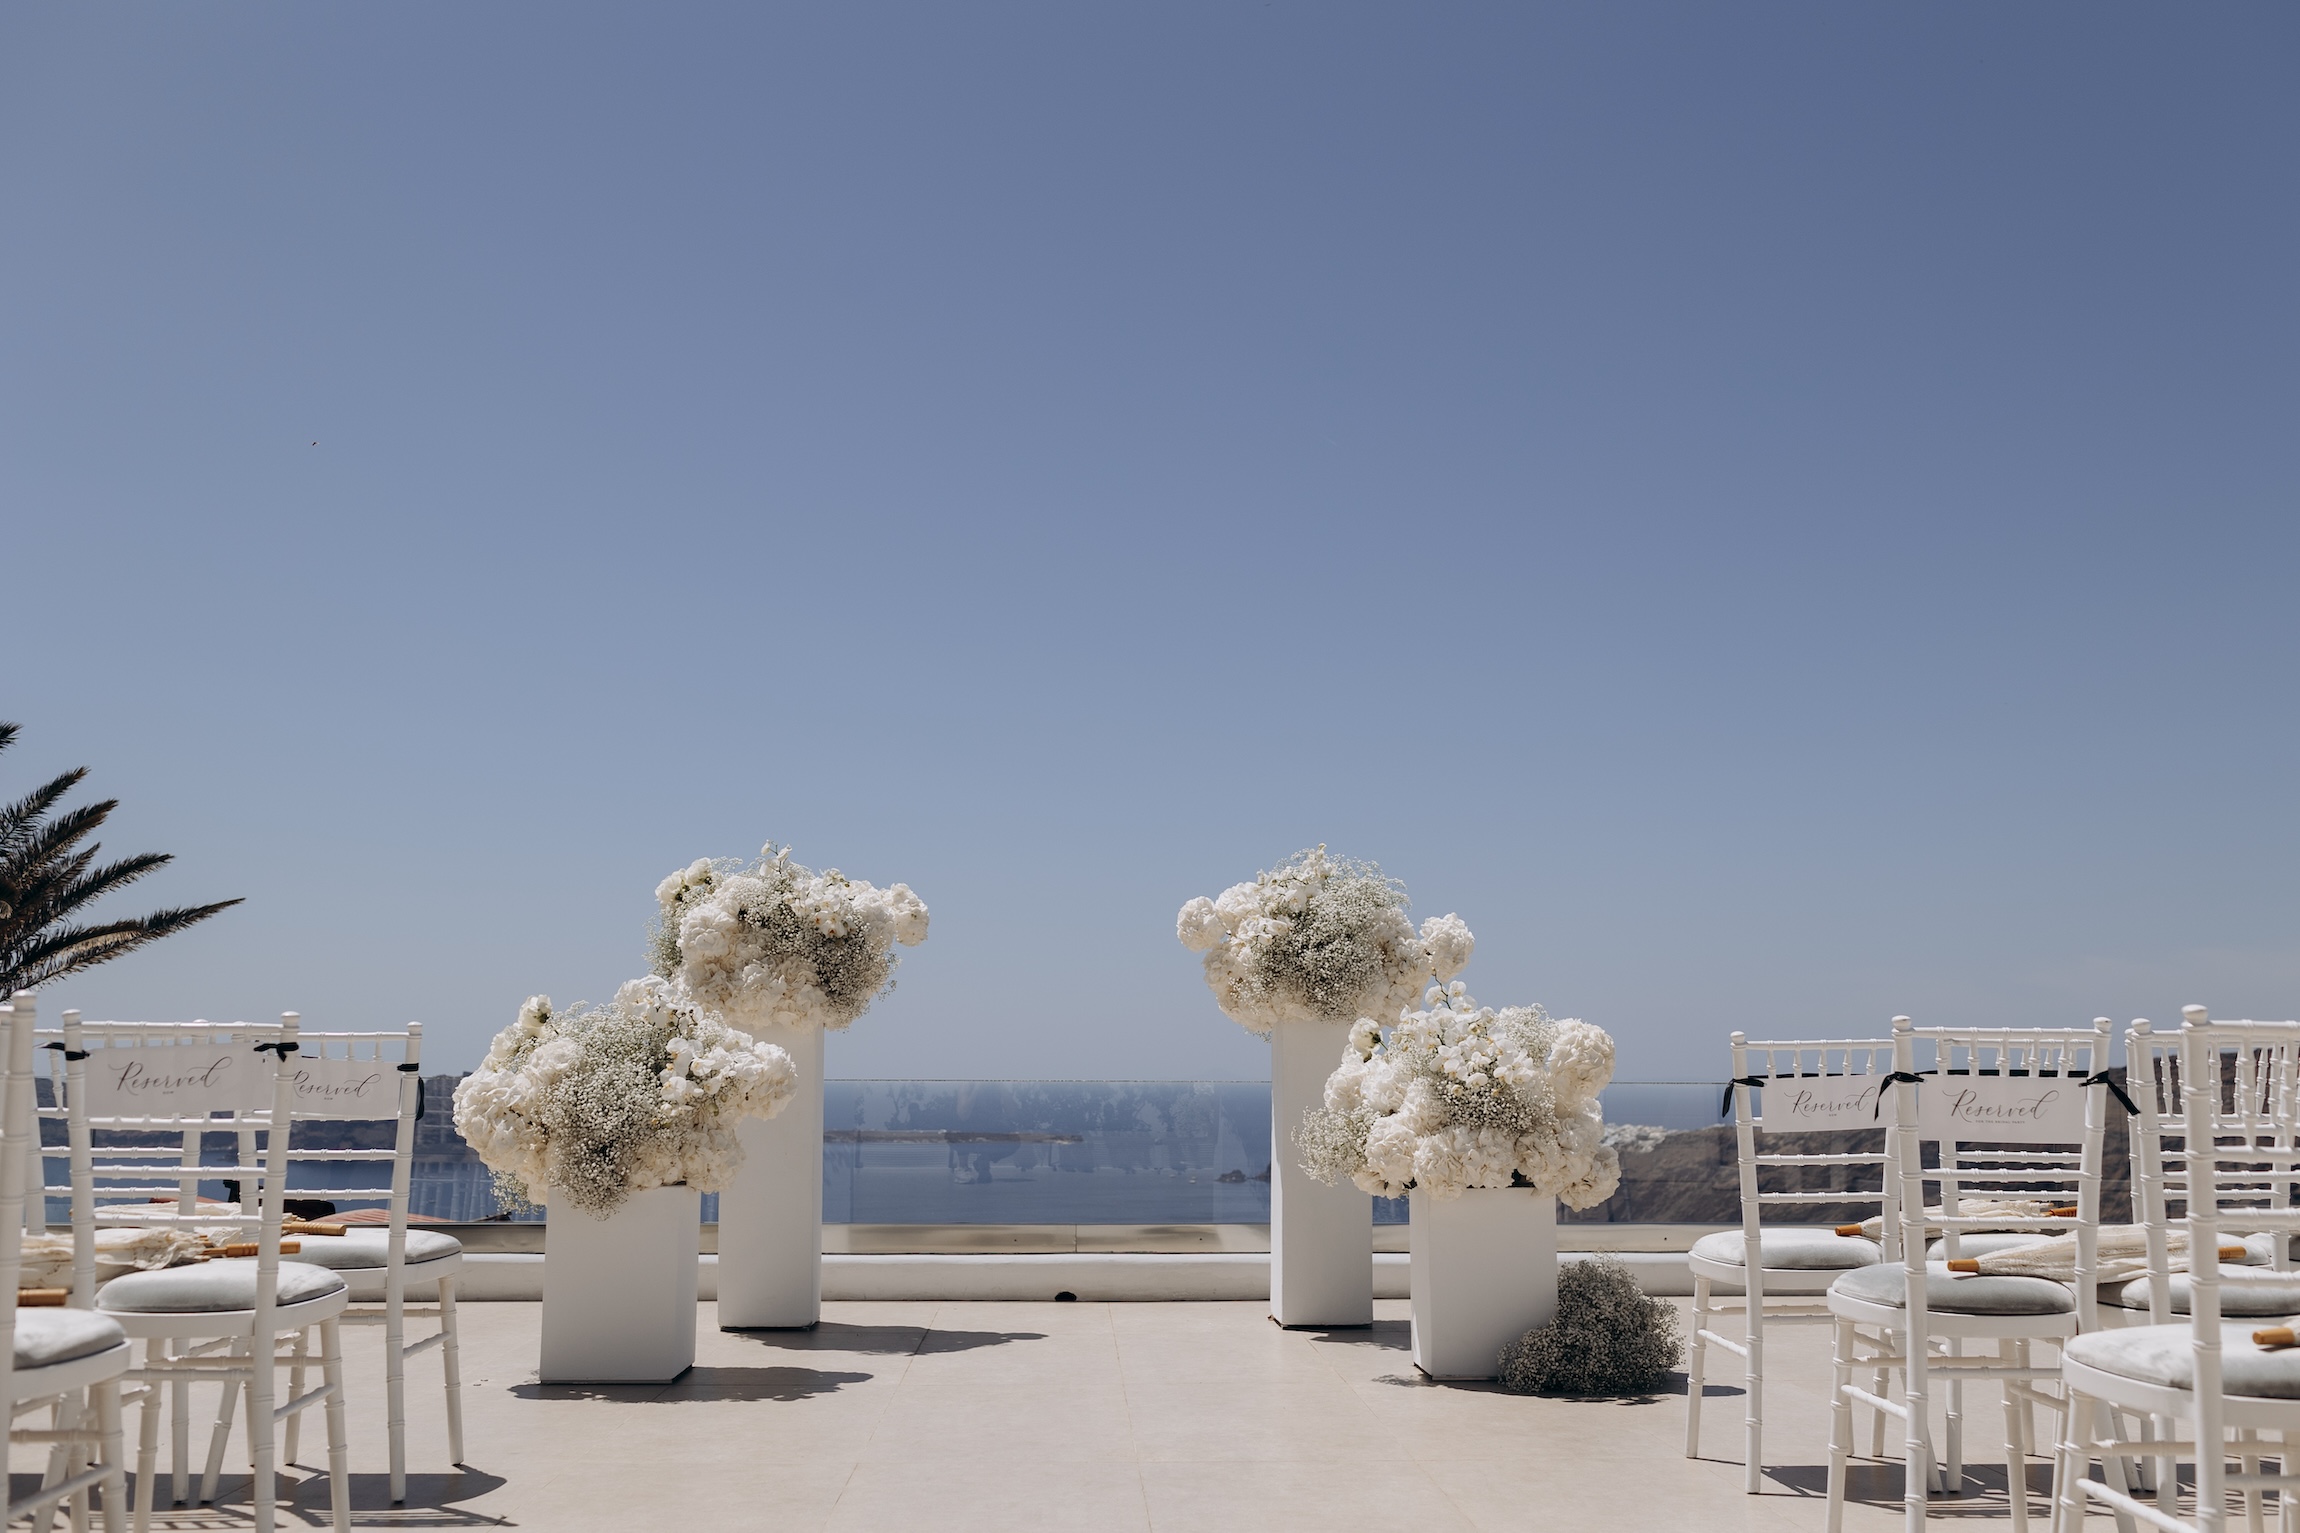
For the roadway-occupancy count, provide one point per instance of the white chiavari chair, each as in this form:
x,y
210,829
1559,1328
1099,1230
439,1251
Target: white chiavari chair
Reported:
x,y
66,1359
1780,1092
2211,1378
221,1320
2017,1115
373,1077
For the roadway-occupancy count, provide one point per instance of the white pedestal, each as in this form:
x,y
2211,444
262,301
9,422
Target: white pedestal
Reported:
x,y
771,1219
1321,1238
619,1292
1484,1273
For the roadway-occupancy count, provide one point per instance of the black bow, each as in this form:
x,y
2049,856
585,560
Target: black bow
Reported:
x,y
283,1050
67,1053
2103,1078
412,1068
1901,1076
1726,1105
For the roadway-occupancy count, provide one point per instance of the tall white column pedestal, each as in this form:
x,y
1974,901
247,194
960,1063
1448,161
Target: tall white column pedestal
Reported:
x,y
1321,1238
1484,1272
619,1292
771,1220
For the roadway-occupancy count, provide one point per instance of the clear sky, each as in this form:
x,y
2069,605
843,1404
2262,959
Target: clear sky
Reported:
x,y
1779,515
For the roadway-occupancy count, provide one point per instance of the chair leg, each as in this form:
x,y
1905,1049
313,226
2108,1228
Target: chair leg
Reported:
x,y
2016,1446
224,1409
1840,1423
338,1449
451,1359
148,1449
1917,1449
115,1456
179,1433
1954,1440
1879,1382
1753,1397
1696,1368
2248,1461
289,1433
263,1451
395,1394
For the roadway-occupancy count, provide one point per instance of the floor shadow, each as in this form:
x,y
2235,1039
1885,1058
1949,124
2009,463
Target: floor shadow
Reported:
x,y
1393,1335
882,1340
968,1341
704,1384
430,1501
1982,1493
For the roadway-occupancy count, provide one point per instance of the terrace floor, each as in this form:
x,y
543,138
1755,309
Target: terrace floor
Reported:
x,y
1074,1416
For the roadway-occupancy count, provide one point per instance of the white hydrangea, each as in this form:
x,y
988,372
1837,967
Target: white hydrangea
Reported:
x,y
595,1104
776,944
1457,1096
1318,939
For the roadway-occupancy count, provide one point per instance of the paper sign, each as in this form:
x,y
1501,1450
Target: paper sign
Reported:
x,y
178,1080
346,1088
2002,1109
1805,1104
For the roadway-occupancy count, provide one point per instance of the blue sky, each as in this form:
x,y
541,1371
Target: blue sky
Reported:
x,y
1779,515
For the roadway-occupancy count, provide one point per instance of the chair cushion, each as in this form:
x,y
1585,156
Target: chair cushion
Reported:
x,y
1955,1294
1792,1250
2166,1355
359,1249
45,1336
2259,1249
2245,1292
211,1287
1986,1244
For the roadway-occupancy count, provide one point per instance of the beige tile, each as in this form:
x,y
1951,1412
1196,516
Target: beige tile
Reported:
x,y
961,1496
1281,1496
1012,1424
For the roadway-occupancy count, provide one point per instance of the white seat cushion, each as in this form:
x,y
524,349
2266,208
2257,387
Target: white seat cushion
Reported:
x,y
45,1336
212,1287
2246,1293
1792,1250
1987,1244
1955,1294
362,1248
2166,1355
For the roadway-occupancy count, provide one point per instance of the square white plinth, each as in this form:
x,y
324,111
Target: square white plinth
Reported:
x,y
1321,1238
619,1292
771,1219
1484,1272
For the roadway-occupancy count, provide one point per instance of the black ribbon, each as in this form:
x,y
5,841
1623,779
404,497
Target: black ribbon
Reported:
x,y
67,1053
414,1069
283,1050
2103,1078
1901,1076
1726,1105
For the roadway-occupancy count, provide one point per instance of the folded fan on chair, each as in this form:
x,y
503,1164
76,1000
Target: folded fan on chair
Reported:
x,y
2121,1253
1873,1227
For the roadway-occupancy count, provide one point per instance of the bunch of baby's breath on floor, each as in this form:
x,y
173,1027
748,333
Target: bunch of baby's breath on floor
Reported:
x,y
1609,1337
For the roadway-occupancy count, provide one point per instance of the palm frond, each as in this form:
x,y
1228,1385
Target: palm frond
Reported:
x,y
19,819
69,949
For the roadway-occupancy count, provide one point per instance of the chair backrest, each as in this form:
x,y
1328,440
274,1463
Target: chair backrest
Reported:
x,y
2240,1104
2018,1113
18,1131
1786,1088
152,1089
365,1077
2160,1181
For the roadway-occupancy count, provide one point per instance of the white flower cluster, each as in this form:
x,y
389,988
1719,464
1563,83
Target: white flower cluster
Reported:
x,y
780,945
1459,1096
1319,939
595,1104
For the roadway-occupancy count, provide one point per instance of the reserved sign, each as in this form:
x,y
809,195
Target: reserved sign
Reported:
x,y
176,1080
2002,1109
346,1088
1804,1104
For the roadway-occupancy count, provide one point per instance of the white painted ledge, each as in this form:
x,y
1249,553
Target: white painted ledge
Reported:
x,y
1090,1276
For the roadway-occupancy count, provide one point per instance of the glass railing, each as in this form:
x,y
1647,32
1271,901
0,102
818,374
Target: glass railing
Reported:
x,y
1043,1152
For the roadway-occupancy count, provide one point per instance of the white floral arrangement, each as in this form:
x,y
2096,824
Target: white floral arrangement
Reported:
x,y
1320,939
776,944
594,1104
1459,1095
